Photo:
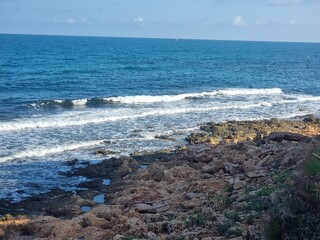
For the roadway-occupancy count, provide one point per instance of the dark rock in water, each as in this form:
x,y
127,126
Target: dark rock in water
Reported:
x,y
282,136
92,184
105,152
311,118
164,137
195,138
72,162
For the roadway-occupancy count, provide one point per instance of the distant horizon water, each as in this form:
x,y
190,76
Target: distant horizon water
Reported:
x,y
64,97
163,38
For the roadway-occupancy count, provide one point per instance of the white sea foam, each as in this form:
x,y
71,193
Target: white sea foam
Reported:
x,y
140,99
79,102
146,99
44,151
62,121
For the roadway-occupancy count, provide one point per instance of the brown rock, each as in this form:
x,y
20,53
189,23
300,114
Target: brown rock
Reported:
x,y
137,227
144,208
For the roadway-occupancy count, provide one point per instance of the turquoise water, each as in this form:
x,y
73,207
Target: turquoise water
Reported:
x,y
64,97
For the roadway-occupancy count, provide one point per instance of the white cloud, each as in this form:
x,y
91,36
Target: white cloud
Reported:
x,y
239,22
70,21
138,19
293,22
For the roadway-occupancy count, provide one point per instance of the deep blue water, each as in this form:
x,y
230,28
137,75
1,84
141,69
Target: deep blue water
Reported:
x,y
64,97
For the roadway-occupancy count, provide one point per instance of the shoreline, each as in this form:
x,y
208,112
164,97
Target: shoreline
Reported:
x,y
220,184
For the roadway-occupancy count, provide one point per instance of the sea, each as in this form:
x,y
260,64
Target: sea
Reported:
x,y
64,97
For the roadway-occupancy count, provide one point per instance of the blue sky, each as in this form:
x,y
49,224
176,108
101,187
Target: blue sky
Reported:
x,y
270,20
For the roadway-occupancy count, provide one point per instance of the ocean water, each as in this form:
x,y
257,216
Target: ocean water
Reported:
x,y
65,97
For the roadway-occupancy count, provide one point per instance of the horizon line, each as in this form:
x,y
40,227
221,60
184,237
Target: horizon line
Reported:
x,y
164,38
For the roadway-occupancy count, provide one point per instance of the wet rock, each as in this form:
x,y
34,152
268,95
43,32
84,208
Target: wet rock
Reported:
x,y
72,162
92,184
105,152
310,119
165,137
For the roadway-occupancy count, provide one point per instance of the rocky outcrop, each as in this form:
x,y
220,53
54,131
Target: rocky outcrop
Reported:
x,y
224,189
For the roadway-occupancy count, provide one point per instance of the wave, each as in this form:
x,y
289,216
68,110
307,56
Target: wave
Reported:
x,y
60,122
41,152
58,149
138,99
147,99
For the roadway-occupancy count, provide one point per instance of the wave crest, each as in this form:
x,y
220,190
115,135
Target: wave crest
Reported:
x,y
148,99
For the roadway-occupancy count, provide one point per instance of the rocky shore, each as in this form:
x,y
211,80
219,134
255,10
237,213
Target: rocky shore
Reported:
x,y
234,180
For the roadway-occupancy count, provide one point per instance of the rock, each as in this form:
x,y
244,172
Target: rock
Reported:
x,y
164,137
208,169
310,118
239,185
201,152
156,172
168,176
190,195
144,208
118,237
281,136
231,168
151,235
72,162
257,173
124,169
196,138
92,184
137,228
104,152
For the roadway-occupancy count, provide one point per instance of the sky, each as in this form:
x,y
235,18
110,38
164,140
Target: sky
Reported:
x,y
262,20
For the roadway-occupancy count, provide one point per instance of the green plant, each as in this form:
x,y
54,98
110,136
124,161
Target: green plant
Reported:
x,y
273,230
264,191
312,165
224,227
